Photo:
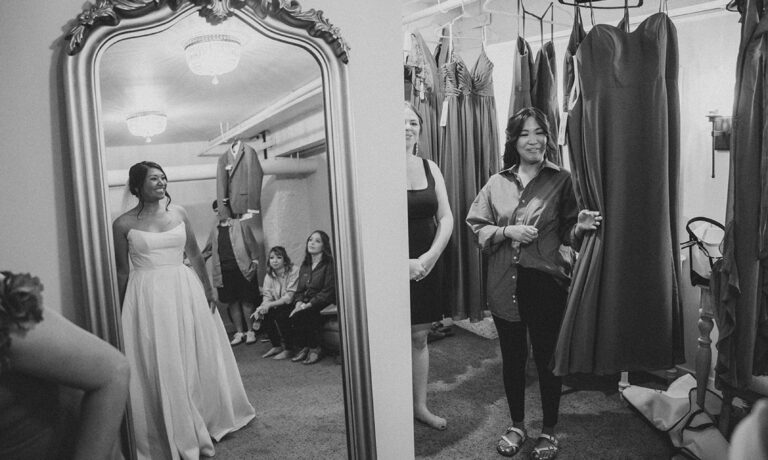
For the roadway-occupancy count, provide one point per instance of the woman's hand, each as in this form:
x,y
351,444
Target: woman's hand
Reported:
x,y
261,310
213,304
428,261
417,270
588,221
299,307
522,233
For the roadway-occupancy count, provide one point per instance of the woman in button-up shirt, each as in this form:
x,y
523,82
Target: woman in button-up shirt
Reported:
x,y
525,218
316,290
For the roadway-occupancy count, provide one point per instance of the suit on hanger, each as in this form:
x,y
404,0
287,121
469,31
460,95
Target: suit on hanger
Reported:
x,y
238,181
238,191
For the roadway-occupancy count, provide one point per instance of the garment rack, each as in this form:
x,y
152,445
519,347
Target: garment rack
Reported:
x,y
590,4
541,19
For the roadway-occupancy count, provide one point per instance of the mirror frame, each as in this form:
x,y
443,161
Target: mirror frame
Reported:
x,y
110,21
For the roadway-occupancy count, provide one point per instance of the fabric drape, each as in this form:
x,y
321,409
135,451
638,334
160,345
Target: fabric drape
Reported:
x,y
424,78
624,311
457,162
740,281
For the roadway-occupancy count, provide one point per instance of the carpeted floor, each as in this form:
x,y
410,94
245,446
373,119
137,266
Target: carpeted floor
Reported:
x,y
299,410
466,388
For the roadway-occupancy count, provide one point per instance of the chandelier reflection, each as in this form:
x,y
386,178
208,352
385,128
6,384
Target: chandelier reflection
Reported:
x,y
212,54
147,124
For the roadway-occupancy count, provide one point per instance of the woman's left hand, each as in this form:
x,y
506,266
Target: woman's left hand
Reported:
x,y
213,304
428,262
588,220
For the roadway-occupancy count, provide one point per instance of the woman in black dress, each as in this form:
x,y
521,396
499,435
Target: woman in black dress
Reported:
x,y
430,223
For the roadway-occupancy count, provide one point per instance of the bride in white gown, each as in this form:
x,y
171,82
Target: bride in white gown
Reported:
x,y
185,386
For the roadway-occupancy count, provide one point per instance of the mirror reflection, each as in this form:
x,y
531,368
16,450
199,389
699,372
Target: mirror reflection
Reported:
x,y
230,127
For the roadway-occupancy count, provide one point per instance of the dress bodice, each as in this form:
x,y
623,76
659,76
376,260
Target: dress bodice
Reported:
x,y
149,250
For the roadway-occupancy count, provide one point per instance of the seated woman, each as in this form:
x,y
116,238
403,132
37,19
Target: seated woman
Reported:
x,y
277,301
316,290
34,360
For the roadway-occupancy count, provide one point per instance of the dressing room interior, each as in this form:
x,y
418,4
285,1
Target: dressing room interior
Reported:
x,y
213,246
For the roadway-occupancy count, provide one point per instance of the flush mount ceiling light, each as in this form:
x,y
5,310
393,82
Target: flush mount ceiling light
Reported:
x,y
212,54
147,124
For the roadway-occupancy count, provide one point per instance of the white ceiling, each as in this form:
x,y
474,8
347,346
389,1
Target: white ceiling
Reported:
x,y
150,73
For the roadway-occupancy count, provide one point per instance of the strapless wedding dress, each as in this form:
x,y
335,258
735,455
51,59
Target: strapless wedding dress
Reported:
x,y
185,386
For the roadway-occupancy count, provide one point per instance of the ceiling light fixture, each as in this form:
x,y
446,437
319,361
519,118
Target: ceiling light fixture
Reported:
x,y
212,54
147,124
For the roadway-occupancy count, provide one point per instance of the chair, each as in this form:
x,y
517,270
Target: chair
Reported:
x,y
705,250
331,333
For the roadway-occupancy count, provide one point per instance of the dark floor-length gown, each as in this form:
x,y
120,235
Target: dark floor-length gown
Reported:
x,y
624,309
457,145
740,282
487,157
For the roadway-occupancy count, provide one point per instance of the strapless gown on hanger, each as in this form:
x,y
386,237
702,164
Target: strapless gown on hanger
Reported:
x,y
185,386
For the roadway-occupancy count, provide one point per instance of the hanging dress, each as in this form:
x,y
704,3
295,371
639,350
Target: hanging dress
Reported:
x,y
487,156
424,96
457,162
544,96
739,280
577,36
624,311
522,77
185,386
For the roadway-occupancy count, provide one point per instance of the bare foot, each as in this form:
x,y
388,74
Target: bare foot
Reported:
x,y
431,420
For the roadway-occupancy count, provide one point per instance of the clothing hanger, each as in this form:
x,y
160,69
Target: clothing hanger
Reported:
x,y
582,4
541,19
485,8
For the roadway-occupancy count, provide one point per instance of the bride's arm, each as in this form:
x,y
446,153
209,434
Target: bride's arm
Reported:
x,y
195,257
120,236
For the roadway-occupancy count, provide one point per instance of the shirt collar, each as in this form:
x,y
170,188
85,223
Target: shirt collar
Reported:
x,y
514,168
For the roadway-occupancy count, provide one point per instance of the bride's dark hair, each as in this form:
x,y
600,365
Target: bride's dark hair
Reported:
x,y
136,177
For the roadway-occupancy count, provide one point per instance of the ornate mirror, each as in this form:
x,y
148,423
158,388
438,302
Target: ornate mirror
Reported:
x,y
178,82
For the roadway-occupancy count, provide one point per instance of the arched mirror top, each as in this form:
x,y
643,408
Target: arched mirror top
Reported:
x,y
109,13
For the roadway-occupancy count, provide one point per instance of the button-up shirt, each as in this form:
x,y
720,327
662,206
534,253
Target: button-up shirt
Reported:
x,y
548,203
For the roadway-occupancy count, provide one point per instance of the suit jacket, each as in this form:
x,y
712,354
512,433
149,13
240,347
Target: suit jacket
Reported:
x,y
239,179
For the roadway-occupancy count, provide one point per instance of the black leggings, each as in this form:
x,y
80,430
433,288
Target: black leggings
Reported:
x,y
541,302
276,324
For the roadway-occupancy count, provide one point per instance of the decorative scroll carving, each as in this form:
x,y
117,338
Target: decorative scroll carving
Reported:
x,y
110,12
289,11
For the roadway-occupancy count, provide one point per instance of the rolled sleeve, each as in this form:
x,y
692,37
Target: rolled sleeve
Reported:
x,y
482,219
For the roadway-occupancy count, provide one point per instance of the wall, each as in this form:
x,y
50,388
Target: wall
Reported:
x,y
708,47
38,206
